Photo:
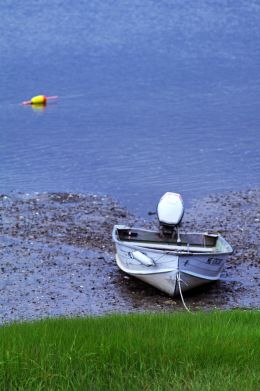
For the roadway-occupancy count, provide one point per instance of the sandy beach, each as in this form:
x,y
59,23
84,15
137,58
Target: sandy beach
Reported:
x,y
57,256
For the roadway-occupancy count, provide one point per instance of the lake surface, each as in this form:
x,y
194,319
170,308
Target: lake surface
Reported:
x,y
154,96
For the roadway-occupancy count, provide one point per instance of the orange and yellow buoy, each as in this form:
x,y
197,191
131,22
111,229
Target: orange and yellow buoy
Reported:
x,y
39,100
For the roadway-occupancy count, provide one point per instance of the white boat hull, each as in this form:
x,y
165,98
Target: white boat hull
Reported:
x,y
164,281
191,270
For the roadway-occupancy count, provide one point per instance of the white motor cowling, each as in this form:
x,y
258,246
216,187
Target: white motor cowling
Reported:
x,y
170,209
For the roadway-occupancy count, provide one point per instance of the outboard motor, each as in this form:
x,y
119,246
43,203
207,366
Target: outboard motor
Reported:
x,y
170,211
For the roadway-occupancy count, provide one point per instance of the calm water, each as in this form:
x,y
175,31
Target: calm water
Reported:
x,y
154,96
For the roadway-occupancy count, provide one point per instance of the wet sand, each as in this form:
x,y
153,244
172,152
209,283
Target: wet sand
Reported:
x,y
57,256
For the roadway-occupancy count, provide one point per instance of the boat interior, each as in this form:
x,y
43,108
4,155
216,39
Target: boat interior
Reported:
x,y
138,235
199,242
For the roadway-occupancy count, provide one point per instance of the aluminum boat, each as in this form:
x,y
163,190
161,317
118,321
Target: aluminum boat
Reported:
x,y
169,259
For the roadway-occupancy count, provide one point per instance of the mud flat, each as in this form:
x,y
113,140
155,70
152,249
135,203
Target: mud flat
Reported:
x,y
57,257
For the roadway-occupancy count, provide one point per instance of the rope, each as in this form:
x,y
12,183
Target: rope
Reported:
x,y
182,299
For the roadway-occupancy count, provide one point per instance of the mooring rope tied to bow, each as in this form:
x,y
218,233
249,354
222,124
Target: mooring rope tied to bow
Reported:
x,y
182,298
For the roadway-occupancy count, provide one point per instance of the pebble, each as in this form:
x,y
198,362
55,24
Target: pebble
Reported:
x,y
72,228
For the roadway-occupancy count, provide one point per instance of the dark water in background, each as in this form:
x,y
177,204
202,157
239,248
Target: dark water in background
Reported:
x,y
155,96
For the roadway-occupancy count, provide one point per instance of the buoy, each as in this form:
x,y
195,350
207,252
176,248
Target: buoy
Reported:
x,y
142,258
39,100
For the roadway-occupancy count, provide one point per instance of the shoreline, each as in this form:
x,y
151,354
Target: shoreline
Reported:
x,y
57,256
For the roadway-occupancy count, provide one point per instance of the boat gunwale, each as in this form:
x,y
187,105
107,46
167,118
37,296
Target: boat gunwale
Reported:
x,y
167,251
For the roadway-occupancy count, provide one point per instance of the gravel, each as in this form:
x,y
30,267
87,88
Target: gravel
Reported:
x,y
57,256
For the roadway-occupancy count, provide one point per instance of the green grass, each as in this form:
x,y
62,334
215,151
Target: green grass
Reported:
x,y
202,351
